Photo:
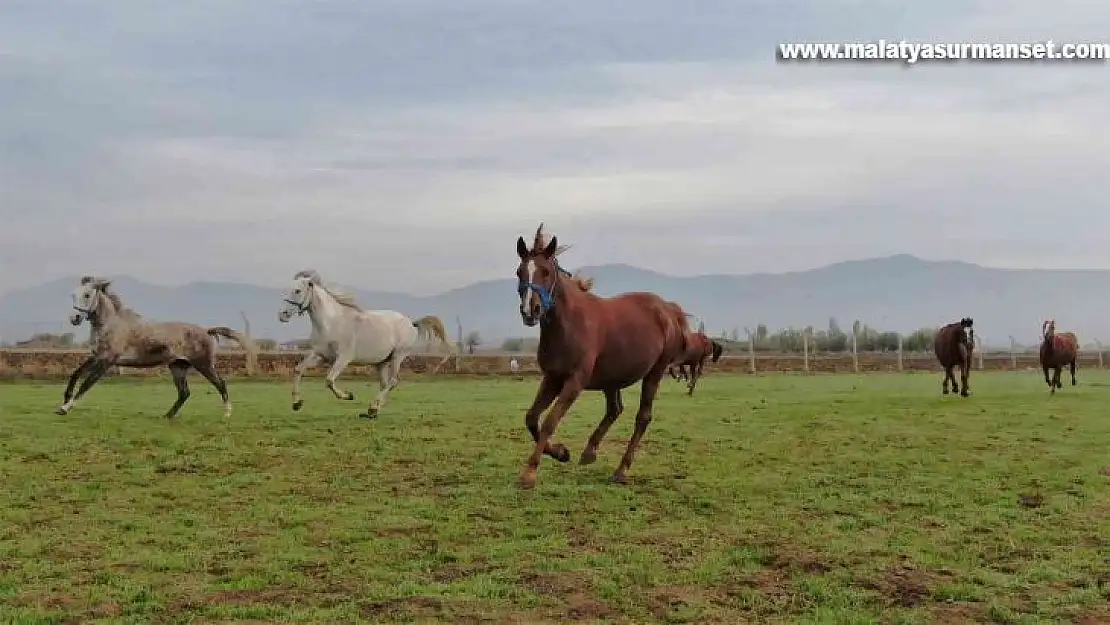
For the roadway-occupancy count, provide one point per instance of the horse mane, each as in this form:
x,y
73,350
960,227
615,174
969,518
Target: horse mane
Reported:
x,y
104,287
540,241
343,299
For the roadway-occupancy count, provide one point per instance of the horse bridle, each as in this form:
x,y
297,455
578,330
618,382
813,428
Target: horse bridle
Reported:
x,y
547,296
302,308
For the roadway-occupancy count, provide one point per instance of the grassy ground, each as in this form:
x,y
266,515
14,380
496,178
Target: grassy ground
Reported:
x,y
783,498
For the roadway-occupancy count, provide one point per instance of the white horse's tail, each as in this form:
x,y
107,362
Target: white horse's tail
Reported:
x,y
429,328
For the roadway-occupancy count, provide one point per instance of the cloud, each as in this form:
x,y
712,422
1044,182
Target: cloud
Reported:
x,y
405,145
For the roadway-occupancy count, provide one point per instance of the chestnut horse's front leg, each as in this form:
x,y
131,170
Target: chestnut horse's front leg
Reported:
x,y
565,393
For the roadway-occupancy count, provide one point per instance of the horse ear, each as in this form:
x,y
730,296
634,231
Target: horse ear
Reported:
x,y
102,284
552,247
521,247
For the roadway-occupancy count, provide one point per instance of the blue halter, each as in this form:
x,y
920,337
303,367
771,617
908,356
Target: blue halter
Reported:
x,y
547,296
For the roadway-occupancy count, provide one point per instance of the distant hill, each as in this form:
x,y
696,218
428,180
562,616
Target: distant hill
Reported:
x,y
899,293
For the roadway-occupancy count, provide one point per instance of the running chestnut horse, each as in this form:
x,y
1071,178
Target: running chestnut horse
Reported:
x,y
1057,350
591,343
953,346
699,348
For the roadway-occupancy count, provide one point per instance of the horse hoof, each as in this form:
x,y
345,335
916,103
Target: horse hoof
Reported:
x,y
350,396
618,478
61,411
945,391
526,481
562,454
371,414
297,405
964,394
588,457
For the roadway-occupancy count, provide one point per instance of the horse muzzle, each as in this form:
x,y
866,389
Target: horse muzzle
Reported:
x,y
76,319
284,316
529,319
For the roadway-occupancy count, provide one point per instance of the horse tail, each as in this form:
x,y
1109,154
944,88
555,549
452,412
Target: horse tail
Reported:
x,y
717,349
243,340
430,327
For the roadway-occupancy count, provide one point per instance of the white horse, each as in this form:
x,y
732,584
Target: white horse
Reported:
x,y
343,333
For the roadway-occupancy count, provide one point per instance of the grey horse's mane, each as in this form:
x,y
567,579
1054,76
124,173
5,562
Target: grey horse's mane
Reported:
x,y
103,286
344,299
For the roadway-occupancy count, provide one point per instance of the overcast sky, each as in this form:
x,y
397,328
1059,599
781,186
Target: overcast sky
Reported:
x,y
405,144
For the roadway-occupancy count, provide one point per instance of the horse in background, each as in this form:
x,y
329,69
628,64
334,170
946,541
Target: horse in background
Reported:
x,y
120,337
699,348
590,343
953,345
1056,351
344,333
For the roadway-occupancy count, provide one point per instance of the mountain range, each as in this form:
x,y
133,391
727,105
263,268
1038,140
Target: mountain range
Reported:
x,y
901,293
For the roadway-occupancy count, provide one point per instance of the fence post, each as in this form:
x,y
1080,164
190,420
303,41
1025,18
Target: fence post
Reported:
x,y
805,351
979,340
901,367
751,350
1099,343
855,354
1013,353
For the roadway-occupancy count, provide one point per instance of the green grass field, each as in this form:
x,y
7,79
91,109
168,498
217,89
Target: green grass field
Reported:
x,y
833,499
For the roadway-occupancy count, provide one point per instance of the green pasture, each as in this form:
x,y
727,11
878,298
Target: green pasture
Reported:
x,y
782,498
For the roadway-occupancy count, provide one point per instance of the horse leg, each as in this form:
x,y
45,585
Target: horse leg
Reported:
x,y
96,371
947,376
337,366
670,370
309,361
76,375
695,374
1072,365
570,391
545,394
209,372
648,388
389,376
965,373
613,409
1047,379
179,369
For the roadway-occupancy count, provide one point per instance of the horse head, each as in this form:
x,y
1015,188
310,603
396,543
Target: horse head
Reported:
x,y
537,276
967,325
86,298
1048,329
299,297
717,350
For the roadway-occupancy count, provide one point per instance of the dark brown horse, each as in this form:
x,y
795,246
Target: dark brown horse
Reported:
x,y
591,343
699,348
953,345
1057,350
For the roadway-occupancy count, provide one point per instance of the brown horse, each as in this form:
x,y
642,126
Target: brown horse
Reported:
x,y
121,337
699,348
1057,350
953,345
591,343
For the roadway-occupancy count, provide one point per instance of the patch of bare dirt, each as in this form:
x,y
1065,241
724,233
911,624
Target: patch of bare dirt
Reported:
x,y
1104,471
402,607
454,572
902,585
797,561
666,600
575,593
1098,616
1032,500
